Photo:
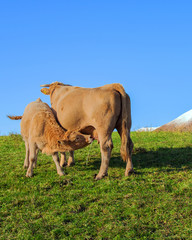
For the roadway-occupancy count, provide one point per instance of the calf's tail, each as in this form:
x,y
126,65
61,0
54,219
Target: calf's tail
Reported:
x,y
15,117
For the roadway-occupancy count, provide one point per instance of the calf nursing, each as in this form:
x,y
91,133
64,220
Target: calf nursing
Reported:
x,y
95,111
41,131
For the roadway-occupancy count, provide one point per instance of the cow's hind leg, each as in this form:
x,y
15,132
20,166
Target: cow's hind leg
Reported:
x,y
106,146
127,150
56,160
129,167
32,159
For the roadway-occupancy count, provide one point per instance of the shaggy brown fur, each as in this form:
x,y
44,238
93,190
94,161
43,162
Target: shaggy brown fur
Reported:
x,y
40,130
96,111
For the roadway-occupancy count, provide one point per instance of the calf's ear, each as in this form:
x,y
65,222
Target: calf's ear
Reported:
x,y
45,91
62,142
67,134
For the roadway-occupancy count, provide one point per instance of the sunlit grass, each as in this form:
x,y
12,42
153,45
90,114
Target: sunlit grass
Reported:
x,y
155,203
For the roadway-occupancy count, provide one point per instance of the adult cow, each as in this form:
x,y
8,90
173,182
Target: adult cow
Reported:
x,y
95,111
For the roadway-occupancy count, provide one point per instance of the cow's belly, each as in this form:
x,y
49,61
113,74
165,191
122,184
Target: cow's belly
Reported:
x,y
97,111
71,116
72,121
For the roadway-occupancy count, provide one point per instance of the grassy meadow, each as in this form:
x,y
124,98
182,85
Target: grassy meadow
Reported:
x,y
154,203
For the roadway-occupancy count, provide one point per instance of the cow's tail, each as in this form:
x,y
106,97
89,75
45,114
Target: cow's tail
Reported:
x,y
125,123
15,117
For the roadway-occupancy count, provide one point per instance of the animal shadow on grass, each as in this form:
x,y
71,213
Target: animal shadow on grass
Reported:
x,y
165,159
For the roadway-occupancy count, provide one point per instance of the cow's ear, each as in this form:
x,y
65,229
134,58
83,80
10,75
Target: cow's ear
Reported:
x,y
45,91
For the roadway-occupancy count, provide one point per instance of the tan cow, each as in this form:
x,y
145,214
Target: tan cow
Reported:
x,y
40,130
95,111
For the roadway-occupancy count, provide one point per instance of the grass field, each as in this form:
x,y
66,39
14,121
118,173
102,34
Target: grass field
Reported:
x,y
155,203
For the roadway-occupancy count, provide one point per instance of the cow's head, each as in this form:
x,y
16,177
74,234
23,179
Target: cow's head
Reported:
x,y
49,88
75,140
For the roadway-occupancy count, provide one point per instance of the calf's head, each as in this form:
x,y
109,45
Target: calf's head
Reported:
x,y
75,140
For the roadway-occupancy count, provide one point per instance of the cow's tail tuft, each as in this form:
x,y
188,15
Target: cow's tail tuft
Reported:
x,y
15,117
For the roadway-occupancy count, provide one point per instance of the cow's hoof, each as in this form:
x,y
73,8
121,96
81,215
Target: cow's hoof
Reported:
x,y
129,173
99,177
63,165
70,164
29,175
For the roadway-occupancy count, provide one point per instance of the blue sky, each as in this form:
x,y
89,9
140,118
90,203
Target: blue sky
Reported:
x,y
144,45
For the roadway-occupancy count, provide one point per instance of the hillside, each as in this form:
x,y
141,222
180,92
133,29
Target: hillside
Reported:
x,y
183,123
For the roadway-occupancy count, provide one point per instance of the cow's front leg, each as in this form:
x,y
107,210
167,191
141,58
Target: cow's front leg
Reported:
x,y
63,161
71,160
106,147
56,160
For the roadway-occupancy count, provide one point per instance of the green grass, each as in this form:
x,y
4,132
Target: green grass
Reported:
x,y
155,203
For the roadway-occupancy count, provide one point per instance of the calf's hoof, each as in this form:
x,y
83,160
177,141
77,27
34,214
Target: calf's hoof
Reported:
x,y
61,173
34,165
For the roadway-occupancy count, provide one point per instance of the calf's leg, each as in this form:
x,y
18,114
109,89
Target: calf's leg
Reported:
x,y
32,159
26,161
35,162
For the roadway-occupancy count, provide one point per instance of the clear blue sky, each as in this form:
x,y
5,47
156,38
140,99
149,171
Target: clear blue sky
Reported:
x,y
144,45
